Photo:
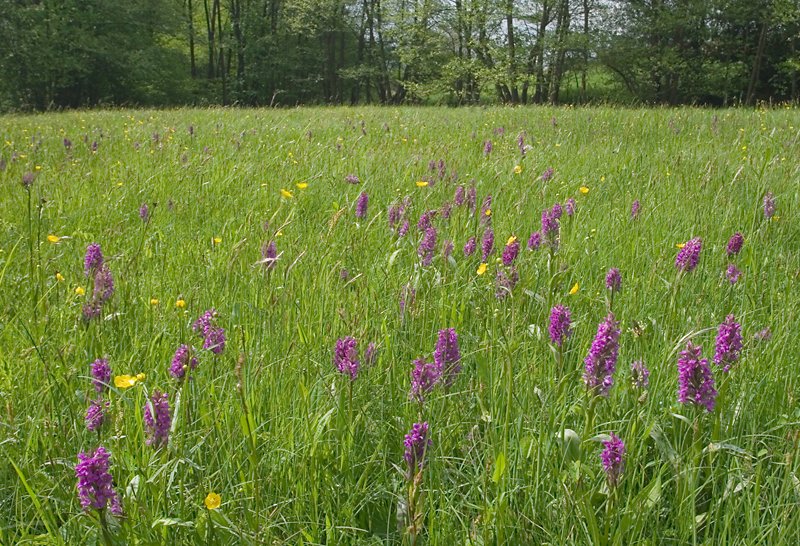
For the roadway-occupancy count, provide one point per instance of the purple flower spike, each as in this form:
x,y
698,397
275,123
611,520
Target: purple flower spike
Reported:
x,y
735,244
351,179
27,180
729,343
550,227
459,196
447,355
269,255
613,280
487,244
547,174
416,445
427,246
472,198
93,259
560,324
101,374
733,273
535,240
361,205
601,362
403,229
505,281
157,419
689,255
424,377
695,381
487,148
183,361
95,483
213,336
510,252
612,458
345,356
95,414
144,212
469,246
769,205
640,375
103,285
635,209
570,206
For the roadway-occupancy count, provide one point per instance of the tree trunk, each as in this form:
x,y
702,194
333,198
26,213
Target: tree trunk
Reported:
x,y
513,94
751,88
192,60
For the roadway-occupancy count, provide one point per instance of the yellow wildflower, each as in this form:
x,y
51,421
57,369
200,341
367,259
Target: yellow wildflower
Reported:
x,y
584,190
680,245
180,304
488,212
574,289
79,290
517,169
217,240
302,185
53,238
213,501
421,183
511,240
286,193
481,269
126,381
59,277
153,301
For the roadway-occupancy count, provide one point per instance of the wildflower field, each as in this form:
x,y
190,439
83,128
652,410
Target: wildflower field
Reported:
x,y
402,326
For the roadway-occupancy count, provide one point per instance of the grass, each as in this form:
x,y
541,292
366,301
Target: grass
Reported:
x,y
300,454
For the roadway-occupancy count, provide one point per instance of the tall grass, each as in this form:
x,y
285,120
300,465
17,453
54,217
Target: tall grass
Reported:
x,y
298,452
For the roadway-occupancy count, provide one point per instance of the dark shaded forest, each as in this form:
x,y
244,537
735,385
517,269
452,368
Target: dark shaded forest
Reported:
x,y
70,53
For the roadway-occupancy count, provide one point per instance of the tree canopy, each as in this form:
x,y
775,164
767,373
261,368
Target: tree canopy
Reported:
x,y
65,53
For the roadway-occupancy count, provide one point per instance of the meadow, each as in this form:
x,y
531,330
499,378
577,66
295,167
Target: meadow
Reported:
x,y
266,356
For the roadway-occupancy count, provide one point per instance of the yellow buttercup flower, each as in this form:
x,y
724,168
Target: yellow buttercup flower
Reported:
x,y
511,240
153,301
180,304
584,190
213,501
79,290
286,193
59,277
481,269
680,245
421,183
140,377
488,212
302,185
574,289
53,238
517,169
217,240
125,381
